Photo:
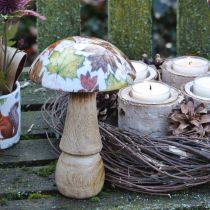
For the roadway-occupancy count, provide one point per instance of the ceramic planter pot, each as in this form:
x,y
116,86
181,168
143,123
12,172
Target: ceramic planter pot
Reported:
x,y
10,118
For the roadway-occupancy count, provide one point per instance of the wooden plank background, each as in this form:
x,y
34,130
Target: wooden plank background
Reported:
x,y
129,25
63,20
193,27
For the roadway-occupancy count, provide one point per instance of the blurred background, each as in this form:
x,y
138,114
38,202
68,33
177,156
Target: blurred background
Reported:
x,y
94,23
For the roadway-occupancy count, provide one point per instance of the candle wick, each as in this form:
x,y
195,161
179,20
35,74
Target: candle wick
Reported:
x,y
150,87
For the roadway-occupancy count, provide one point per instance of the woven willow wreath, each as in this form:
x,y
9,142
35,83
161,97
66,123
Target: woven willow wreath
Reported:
x,y
140,163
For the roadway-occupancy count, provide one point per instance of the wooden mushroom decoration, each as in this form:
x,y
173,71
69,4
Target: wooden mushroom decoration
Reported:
x,y
81,66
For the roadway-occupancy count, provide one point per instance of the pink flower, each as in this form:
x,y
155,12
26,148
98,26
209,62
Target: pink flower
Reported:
x,y
9,6
23,13
17,8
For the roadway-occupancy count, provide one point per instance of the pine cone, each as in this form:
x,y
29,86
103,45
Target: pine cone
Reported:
x,y
189,120
106,105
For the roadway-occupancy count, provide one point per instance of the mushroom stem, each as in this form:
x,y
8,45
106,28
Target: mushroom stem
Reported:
x,y
80,171
81,132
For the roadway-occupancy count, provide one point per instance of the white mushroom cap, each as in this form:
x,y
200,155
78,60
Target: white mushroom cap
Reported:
x,y
79,64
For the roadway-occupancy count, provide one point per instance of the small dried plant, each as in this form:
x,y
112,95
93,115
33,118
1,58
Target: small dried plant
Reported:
x,y
190,120
10,13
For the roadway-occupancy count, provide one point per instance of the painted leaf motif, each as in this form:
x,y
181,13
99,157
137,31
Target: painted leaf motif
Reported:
x,y
52,46
81,39
131,74
35,74
112,55
2,101
116,52
100,58
114,84
71,39
88,82
65,63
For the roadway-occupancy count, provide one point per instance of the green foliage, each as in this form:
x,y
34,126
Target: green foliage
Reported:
x,y
19,196
11,32
95,199
3,201
37,196
46,171
15,196
25,137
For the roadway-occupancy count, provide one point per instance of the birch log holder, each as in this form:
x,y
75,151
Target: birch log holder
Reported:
x,y
199,90
145,107
82,67
144,72
180,70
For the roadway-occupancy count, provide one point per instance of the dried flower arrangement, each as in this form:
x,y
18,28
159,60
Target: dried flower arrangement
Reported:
x,y
11,60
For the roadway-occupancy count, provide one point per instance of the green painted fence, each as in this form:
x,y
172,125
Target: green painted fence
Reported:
x,y
63,19
193,27
129,25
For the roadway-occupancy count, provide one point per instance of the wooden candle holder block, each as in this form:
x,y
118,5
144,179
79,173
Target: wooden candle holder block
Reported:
x,y
189,94
151,75
146,118
172,78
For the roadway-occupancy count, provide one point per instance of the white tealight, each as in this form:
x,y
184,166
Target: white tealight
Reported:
x,y
201,86
190,66
141,70
153,92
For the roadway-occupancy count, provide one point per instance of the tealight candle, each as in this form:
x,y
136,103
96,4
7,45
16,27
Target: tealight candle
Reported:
x,y
190,66
141,70
153,92
201,86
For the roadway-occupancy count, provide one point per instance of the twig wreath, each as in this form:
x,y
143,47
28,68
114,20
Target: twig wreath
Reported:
x,y
142,163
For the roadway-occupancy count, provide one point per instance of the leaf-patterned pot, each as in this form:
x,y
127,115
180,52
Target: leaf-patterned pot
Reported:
x,y
10,118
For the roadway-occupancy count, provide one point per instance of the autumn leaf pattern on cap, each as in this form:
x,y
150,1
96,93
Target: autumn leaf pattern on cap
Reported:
x,y
80,64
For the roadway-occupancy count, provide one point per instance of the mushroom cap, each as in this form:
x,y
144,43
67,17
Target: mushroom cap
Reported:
x,y
80,64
